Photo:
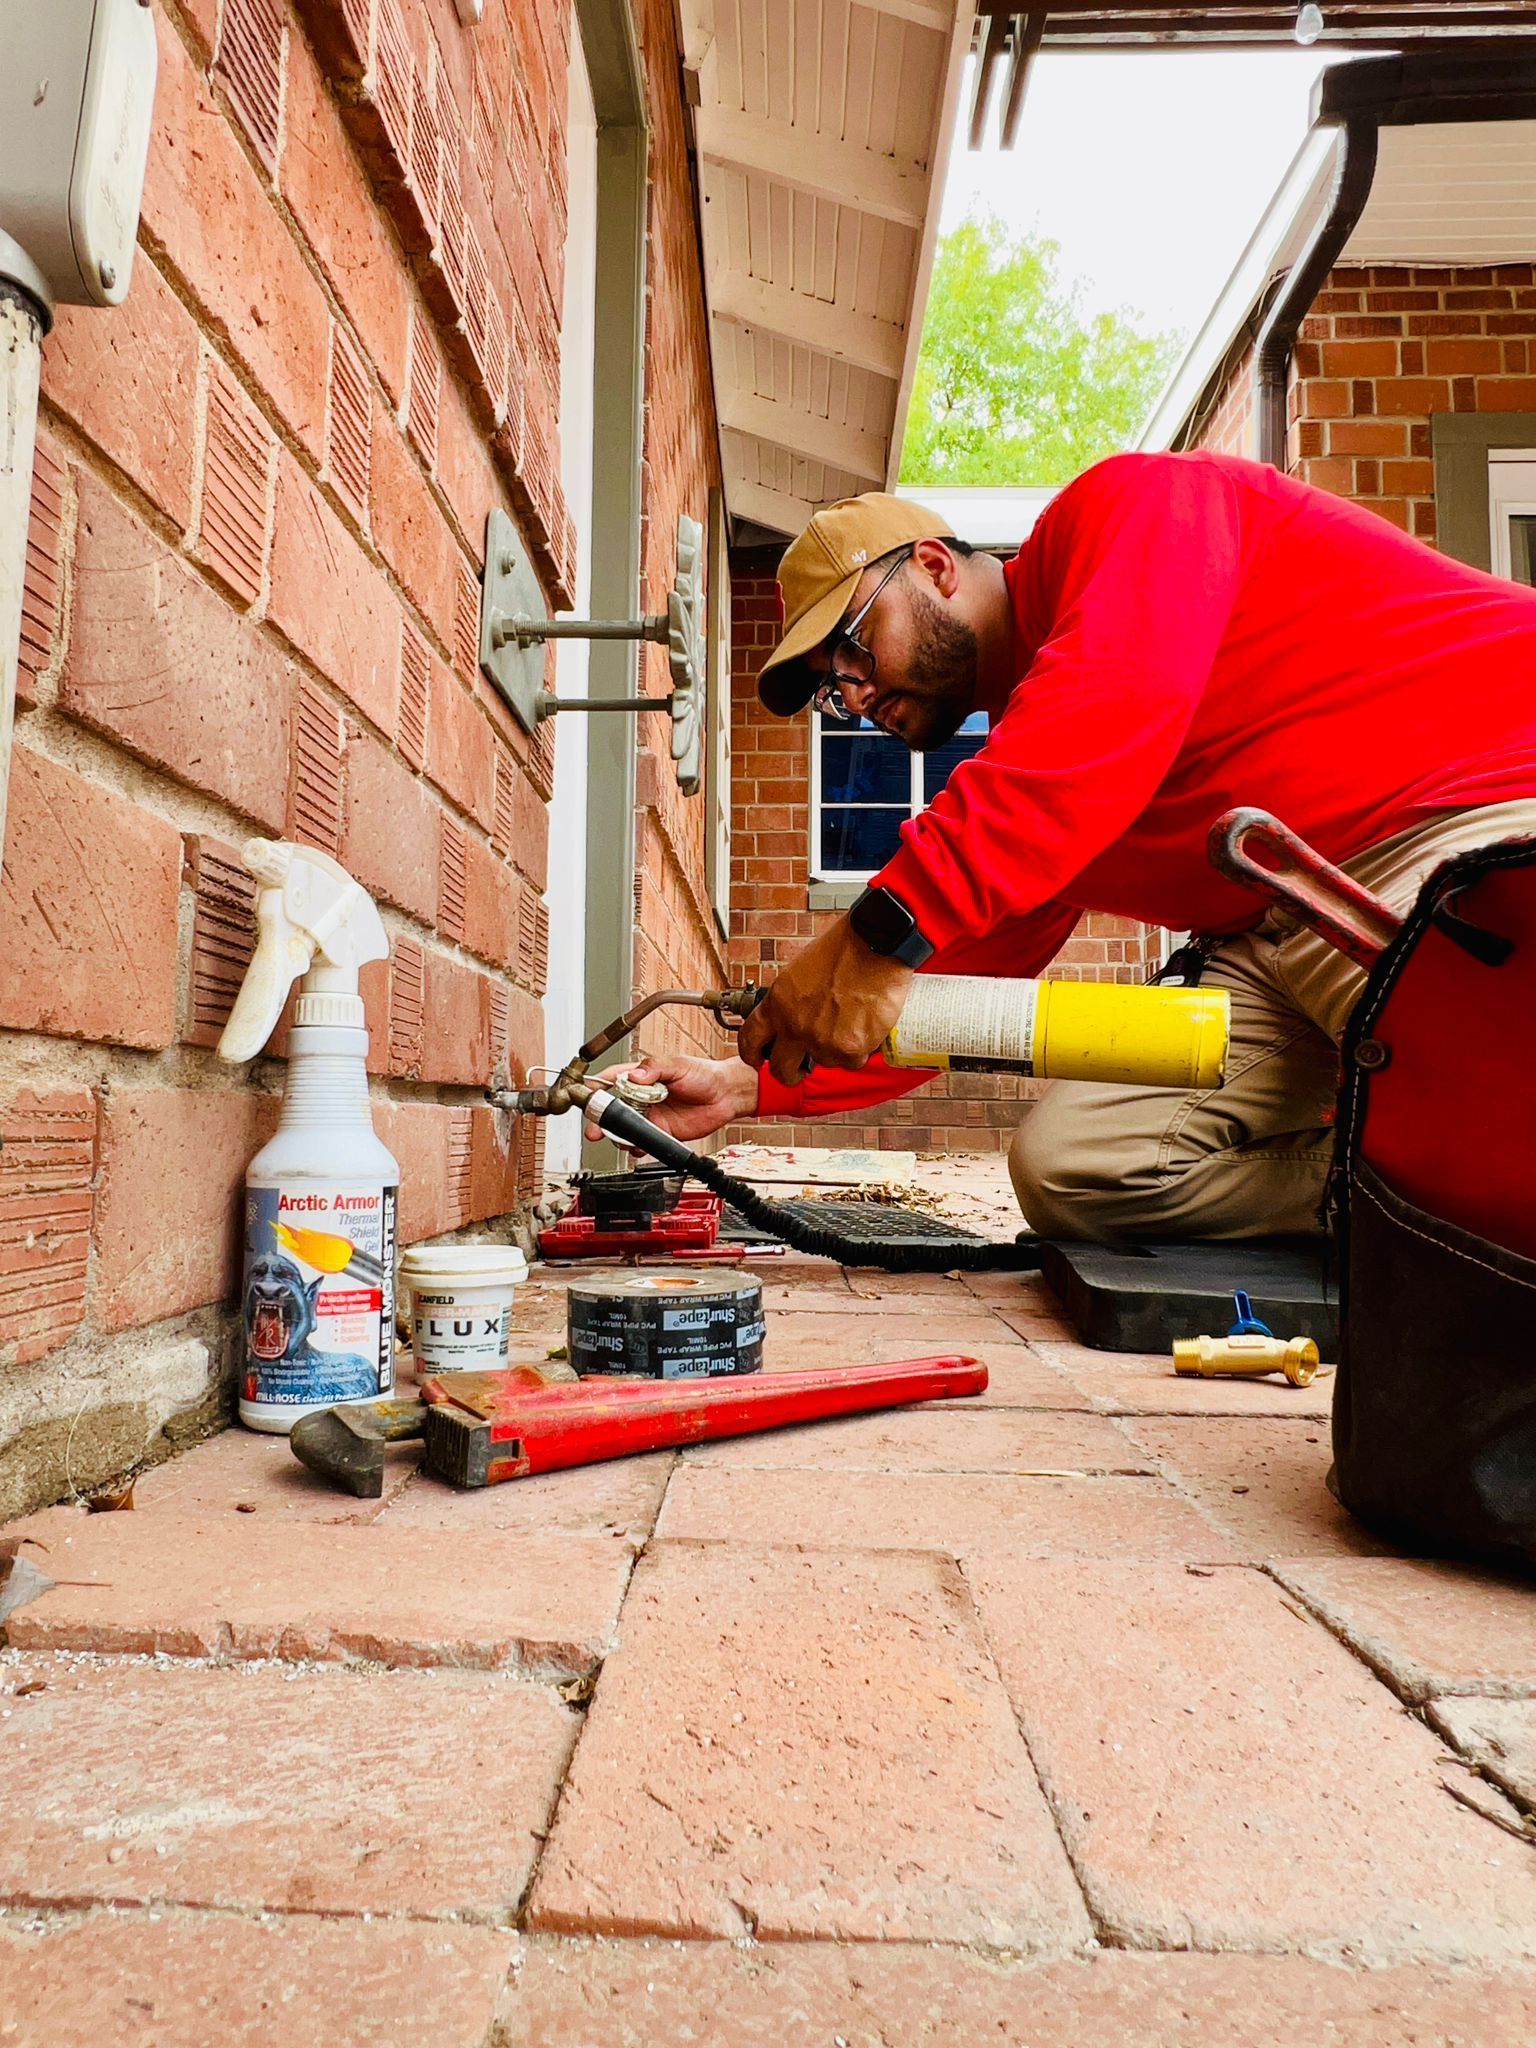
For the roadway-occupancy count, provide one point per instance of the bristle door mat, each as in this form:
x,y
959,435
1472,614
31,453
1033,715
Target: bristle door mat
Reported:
x,y
859,1222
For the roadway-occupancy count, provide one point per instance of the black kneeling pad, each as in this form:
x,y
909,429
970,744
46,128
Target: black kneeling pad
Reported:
x,y
1140,1297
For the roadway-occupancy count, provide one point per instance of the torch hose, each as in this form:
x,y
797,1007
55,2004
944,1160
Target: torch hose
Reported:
x,y
891,1255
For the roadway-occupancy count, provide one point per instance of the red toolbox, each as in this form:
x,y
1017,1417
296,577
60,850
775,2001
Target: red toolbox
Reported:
x,y
685,1231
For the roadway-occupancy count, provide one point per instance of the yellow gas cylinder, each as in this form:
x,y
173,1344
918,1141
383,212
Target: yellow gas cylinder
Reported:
x,y
1246,1357
1064,1030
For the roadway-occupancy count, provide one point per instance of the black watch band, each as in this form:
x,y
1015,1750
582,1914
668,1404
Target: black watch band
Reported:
x,y
888,928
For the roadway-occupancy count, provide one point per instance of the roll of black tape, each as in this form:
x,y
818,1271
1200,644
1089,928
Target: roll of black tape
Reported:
x,y
666,1326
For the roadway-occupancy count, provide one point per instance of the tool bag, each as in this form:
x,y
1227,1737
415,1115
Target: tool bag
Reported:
x,y
1434,1198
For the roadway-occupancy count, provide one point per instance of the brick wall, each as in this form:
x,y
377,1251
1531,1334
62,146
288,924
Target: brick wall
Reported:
x,y
1230,428
1381,352
771,918
252,603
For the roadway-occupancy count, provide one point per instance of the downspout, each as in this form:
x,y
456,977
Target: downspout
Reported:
x,y
23,323
1282,323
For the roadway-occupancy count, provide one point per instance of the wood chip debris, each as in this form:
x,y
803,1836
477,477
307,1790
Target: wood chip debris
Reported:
x,y
886,1194
1523,1830
1089,1472
114,1502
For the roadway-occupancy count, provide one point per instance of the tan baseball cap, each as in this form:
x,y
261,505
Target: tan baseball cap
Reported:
x,y
818,575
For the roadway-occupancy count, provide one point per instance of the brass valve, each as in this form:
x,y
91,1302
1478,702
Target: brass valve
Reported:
x,y
1246,1358
571,1089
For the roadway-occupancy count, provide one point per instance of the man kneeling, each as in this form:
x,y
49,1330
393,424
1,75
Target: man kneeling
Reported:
x,y
1179,635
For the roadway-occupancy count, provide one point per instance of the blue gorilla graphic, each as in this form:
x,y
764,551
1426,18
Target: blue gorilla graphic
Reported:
x,y
279,1323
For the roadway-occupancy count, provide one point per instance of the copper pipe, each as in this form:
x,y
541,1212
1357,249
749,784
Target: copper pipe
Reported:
x,y
570,1088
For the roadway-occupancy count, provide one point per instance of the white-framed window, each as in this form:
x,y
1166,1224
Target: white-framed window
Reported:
x,y
1512,512
865,785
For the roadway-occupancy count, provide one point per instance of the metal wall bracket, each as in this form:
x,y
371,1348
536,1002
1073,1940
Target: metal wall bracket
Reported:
x,y
514,628
510,591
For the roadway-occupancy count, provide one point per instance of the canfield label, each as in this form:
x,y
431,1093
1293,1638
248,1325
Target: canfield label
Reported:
x,y
463,1330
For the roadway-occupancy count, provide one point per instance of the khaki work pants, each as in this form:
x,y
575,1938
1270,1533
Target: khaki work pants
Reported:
x,y
1250,1158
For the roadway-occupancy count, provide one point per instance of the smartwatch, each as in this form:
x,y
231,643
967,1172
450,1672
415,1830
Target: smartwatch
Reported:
x,y
888,928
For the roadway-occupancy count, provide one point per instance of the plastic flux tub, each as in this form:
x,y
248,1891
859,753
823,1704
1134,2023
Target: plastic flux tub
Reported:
x,y
461,1304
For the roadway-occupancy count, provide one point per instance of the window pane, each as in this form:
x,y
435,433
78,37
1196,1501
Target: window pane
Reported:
x,y
864,768
940,764
1522,547
859,841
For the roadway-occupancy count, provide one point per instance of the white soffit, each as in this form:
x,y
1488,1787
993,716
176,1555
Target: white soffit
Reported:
x,y
1444,195
991,516
822,129
1461,192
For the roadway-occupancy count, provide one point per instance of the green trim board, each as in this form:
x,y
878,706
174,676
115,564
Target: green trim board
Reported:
x,y
717,823
612,54
1460,443
833,895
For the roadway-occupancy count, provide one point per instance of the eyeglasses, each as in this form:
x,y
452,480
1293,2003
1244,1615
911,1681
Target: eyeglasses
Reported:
x,y
860,660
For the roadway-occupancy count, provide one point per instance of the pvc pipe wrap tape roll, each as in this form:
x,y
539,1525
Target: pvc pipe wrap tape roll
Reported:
x,y
665,1326
1064,1030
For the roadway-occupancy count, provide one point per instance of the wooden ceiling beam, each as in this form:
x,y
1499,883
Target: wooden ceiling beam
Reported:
x,y
776,510
857,338
935,14
860,453
785,152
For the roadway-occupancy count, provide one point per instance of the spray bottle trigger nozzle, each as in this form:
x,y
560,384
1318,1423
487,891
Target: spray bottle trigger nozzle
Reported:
x,y
313,921
1247,1323
268,860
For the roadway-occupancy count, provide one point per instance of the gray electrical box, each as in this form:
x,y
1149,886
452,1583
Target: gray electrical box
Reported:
x,y
77,91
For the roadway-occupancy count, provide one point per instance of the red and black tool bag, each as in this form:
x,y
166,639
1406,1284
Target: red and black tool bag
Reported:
x,y
1434,1191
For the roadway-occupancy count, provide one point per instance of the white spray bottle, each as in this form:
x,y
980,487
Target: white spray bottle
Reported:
x,y
318,1295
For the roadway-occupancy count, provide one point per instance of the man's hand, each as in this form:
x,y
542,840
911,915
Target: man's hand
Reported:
x,y
834,1003
702,1095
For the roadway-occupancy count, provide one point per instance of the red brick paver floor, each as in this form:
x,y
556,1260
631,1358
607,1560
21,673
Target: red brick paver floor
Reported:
x,y
1074,1717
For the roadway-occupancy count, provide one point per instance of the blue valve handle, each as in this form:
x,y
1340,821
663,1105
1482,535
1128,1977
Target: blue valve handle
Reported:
x,y
1247,1324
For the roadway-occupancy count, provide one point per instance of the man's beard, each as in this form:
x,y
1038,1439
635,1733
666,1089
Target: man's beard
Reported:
x,y
939,692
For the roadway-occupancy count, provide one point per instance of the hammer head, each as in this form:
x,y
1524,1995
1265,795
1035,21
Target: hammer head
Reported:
x,y
346,1445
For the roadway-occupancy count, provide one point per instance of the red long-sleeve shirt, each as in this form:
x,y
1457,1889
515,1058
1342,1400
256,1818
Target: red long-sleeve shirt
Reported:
x,y
1194,632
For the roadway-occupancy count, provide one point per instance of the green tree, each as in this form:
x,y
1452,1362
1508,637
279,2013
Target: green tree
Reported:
x,y
1015,383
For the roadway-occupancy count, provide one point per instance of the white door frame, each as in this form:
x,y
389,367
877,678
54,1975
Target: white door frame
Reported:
x,y
1511,494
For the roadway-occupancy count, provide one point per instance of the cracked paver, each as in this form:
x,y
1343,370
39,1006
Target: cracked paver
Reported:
x,y
1227,1776
252,1586
131,1782
188,1979
641,1994
790,1744
1430,1627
